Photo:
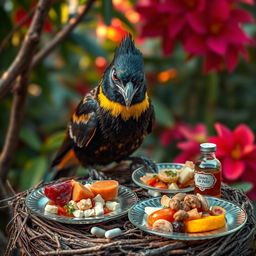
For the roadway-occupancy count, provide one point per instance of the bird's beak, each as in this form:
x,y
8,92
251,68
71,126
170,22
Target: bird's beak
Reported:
x,y
128,93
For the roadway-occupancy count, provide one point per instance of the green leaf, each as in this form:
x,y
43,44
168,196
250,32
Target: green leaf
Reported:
x,y
30,137
88,44
34,172
244,186
53,142
163,115
107,11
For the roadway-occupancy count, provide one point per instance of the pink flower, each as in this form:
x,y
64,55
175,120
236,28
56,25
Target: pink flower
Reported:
x,y
173,133
190,148
211,29
236,151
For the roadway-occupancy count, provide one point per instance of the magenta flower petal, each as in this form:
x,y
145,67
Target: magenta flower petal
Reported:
x,y
212,61
232,169
231,58
188,145
177,22
240,15
235,34
195,44
217,44
243,135
223,131
197,22
218,11
168,45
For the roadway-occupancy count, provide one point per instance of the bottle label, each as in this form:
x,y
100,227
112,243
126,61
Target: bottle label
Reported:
x,y
204,180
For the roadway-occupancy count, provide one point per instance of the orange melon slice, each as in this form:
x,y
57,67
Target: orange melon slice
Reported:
x,y
80,192
205,224
108,189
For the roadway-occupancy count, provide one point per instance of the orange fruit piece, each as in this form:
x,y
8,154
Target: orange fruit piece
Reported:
x,y
80,192
205,224
108,189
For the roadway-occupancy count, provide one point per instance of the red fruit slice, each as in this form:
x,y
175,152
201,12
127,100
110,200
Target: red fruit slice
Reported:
x,y
59,193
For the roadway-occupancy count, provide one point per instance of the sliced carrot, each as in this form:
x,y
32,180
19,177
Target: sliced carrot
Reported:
x,y
108,189
160,184
80,192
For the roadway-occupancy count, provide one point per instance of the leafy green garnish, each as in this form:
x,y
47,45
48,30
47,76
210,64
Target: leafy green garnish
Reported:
x,y
171,173
70,208
155,176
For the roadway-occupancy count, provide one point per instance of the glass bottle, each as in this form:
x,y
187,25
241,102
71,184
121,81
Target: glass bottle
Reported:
x,y
208,172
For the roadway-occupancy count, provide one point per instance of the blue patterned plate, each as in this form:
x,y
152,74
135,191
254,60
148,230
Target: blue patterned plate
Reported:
x,y
37,200
235,219
140,172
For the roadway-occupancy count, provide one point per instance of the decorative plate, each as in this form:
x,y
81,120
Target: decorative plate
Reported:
x,y
37,200
235,219
140,172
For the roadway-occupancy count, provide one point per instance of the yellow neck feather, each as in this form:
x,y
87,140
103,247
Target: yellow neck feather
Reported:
x,y
117,109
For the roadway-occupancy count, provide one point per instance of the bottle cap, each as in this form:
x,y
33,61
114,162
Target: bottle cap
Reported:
x,y
207,147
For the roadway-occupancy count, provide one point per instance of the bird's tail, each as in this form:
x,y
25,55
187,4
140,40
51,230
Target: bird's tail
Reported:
x,y
65,160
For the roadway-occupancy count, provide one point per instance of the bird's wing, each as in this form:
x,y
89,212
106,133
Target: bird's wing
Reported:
x,y
82,128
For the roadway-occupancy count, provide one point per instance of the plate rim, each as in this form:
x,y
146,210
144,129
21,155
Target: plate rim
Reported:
x,y
173,236
167,191
77,221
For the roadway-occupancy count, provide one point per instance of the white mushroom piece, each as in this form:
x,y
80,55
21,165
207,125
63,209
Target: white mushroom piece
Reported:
x,y
204,202
162,226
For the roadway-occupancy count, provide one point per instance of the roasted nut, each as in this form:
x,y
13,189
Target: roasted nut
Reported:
x,y
194,214
174,204
204,202
162,225
179,196
184,206
165,201
180,215
192,201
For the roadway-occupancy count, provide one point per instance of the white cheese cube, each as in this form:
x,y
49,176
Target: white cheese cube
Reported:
x,y
185,175
50,209
99,210
113,206
88,186
154,193
73,204
148,210
89,213
78,213
173,186
84,204
99,199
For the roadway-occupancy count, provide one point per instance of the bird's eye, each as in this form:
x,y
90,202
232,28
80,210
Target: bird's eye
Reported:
x,y
114,76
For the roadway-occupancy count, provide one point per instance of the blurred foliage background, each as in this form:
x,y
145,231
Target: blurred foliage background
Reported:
x,y
181,92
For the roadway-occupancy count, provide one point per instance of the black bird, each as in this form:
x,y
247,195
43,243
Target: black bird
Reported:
x,y
112,120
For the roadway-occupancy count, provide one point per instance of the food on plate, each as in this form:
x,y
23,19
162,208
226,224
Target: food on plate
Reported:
x,y
171,178
73,199
205,224
80,192
59,193
108,189
185,213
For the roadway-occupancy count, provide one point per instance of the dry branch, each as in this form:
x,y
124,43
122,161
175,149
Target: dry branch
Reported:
x,y
28,47
16,28
61,35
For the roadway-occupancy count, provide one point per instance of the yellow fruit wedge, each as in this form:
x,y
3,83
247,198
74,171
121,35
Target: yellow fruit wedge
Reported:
x,y
205,224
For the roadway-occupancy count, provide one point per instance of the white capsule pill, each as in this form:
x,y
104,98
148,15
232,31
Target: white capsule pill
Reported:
x,y
99,232
153,193
113,233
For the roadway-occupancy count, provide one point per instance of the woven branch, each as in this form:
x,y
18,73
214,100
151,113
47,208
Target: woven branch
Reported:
x,y
35,236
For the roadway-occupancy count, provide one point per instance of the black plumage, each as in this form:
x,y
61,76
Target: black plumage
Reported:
x,y
112,120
